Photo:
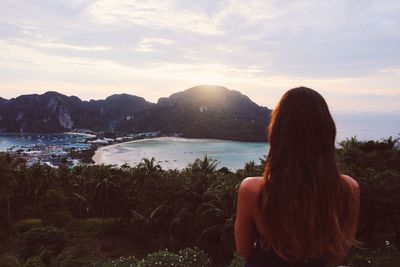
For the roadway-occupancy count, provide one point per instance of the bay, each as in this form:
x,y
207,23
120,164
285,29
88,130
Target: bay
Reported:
x,y
15,141
171,152
178,152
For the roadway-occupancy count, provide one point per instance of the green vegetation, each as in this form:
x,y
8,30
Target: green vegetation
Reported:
x,y
198,112
86,156
147,216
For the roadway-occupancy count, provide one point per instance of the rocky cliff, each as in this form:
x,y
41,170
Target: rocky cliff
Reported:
x,y
200,112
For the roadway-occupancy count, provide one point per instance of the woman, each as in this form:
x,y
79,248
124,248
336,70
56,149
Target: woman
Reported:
x,y
302,211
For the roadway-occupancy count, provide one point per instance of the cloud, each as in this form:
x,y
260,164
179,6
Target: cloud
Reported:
x,y
395,71
148,44
68,46
152,14
259,47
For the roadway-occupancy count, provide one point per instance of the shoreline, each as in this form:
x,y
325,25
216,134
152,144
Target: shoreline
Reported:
x,y
120,153
99,151
52,133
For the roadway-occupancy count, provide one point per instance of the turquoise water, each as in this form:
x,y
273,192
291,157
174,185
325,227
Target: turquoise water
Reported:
x,y
16,141
178,152
173,153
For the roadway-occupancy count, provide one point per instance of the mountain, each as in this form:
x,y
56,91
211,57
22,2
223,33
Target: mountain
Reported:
x,y
54,112
198,112
208,112
115,111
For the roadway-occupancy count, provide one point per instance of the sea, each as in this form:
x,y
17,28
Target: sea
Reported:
x,y
15,141
177,153
367,125
173,153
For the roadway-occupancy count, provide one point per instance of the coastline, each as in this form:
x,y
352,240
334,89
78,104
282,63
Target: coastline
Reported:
x,y
177,152
52,149
82,134
51,133
98,155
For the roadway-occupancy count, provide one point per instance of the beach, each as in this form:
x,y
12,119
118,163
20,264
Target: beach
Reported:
x,y
172,152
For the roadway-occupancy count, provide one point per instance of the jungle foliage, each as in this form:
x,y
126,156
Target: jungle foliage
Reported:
x,y
100,215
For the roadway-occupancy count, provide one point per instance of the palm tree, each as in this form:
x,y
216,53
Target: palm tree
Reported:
x,y
349,144
391,142
216,215
173,172
205,166
81,203
8,182
155,222
39,180
79,194
149,167
250,167
104,188
182,225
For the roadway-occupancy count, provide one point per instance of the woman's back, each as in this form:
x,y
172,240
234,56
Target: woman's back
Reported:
x,y
250,200
302,207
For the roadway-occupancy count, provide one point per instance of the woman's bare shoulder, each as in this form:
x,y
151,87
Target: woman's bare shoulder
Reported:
x,y
250,191
352,182
252,185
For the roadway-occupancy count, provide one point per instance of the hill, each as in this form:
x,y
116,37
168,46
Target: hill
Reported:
x,y
208,112
54,112
198,112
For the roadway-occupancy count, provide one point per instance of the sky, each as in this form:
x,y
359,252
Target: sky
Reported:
x,y
349,51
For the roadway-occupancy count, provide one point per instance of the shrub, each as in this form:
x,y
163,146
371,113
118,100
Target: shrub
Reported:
x,y
9,261
79,255
186,257
385,256
46,242
34,261
129,261
27,224
96,226
237,261
194,257
160,258
53,210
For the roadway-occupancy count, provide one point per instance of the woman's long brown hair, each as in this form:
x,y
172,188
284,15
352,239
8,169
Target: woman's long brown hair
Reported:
x,y
306,203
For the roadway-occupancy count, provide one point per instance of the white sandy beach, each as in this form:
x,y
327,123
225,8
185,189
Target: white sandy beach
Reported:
x,y
172,152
